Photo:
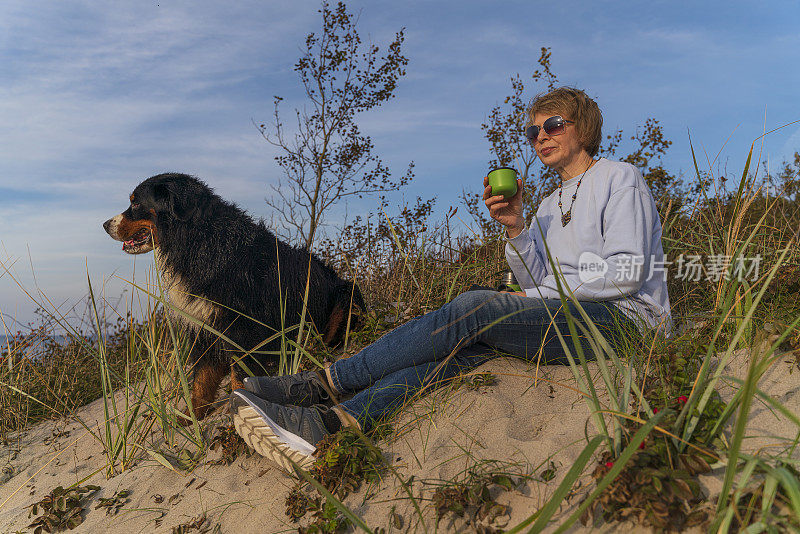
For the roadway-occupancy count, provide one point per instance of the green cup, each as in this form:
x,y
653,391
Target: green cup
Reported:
x,y
503,181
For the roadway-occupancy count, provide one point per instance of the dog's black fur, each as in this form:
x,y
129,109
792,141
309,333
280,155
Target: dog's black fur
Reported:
x,y
220,266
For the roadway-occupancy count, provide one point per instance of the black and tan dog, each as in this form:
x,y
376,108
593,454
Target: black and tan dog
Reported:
x,y
220,267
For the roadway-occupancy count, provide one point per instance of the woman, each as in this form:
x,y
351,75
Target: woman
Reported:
x,y
606,244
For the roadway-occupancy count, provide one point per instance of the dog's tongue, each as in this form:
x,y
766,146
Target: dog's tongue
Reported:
x,y
137,237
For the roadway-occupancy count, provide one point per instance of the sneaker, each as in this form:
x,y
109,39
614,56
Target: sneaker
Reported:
x,y
283,434
305,388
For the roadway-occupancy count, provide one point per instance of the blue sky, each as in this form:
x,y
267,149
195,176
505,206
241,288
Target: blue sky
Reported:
x,y
95,97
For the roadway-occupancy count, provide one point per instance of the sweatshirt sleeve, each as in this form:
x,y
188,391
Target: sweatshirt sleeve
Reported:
x,y
524,259
621,270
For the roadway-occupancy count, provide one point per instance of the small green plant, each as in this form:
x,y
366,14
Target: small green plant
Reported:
x,y
474,497
298,503
550,473
113,504
327,519
476,381
344,461
61,509
200,524
651,492
121,424
230,444
658,487
188,460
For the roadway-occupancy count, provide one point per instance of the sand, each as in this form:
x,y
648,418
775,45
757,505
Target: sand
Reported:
x,y
436,438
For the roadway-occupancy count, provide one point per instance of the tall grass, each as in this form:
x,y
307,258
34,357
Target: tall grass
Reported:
x,y
55,367
406,266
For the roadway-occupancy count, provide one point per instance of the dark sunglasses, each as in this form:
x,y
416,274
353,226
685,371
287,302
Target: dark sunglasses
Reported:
x,y
555,125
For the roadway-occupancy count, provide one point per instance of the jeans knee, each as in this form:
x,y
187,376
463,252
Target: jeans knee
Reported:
x,y
468,302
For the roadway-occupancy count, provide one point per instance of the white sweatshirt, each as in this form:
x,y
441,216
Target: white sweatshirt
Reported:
x,y
610,250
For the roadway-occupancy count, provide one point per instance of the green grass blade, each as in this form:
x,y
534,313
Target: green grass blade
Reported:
x,y
402,250
542,516
697,169
616,469
743,180
330,498
738,433
708,388
791,487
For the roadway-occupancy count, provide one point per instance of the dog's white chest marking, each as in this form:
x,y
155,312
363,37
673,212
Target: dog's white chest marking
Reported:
x,y
178,295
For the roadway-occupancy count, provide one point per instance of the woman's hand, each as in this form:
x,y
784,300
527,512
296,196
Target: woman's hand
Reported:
x,y
506,212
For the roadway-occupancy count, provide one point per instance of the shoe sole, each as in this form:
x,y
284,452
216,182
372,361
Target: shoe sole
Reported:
x,y
269,440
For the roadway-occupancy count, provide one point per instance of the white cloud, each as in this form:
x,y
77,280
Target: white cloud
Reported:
x,y
97,96
119,77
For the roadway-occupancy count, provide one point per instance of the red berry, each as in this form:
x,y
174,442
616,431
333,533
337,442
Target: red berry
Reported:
x,y
609,464
684,399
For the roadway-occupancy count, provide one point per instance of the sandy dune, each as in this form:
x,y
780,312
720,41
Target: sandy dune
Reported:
x,y
436,438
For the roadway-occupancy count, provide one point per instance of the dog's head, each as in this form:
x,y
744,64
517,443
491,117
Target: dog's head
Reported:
x,y
158,202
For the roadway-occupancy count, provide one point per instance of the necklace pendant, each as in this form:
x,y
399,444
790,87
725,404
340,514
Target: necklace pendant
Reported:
x,y
565,218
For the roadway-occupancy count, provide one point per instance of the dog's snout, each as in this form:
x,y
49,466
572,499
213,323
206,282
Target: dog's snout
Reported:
x,y
111,226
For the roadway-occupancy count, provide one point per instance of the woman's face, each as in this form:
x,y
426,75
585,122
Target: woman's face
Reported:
x,y
561,151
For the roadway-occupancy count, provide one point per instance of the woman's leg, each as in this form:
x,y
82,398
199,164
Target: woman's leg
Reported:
x,y
481,322
389,393
387,372
512,324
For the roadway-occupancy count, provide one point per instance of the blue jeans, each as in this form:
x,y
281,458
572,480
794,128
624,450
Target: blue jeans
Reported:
x,y
475,326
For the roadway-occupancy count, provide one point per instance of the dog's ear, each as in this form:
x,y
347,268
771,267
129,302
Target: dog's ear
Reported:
x,y
180,206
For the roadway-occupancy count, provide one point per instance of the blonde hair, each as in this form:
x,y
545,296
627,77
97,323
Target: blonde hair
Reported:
x,y
575,105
